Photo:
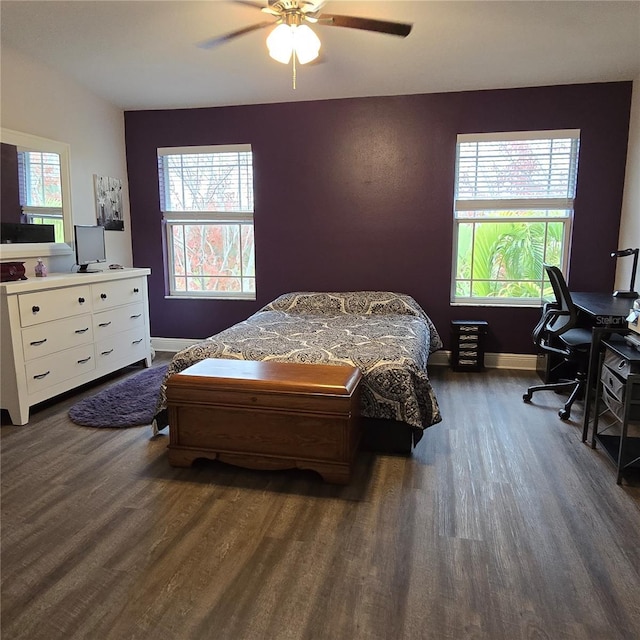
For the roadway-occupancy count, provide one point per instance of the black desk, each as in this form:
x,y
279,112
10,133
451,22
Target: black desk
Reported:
x,y
603,308
605,314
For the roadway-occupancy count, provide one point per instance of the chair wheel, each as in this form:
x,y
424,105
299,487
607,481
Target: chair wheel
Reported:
x,y
564,414
527,397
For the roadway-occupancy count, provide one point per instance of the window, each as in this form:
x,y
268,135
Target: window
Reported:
x,y
40,185
514,197
206,196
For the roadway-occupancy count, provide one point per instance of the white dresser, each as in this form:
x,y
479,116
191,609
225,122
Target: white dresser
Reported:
x,y
65,330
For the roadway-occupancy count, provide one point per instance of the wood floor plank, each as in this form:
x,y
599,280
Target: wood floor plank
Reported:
x,y
502,525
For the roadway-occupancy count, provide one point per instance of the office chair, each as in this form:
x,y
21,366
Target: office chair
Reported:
x,y
556,333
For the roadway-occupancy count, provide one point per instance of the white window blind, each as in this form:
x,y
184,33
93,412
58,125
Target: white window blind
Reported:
x,y
206,179
525,170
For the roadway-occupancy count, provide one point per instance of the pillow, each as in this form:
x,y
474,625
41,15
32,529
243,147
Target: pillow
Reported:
x,y
356,302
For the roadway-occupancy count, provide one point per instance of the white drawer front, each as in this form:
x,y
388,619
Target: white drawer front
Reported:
x,y
44,339
128,345
54,304
51,370
106,323
105,295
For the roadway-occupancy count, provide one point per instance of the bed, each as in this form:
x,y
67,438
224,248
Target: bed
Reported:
x,y
387,335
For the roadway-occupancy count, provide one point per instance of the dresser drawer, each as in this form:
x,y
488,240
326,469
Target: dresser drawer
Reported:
x,y
44,339
105,295
54,304
54,369
106,323
127,345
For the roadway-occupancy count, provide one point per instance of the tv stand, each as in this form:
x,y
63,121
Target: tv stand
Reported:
x,y
84,268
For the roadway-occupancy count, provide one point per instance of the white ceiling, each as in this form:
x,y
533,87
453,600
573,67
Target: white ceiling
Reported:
x,y
143,54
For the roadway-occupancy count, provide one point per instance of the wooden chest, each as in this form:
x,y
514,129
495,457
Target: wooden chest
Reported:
x,y
266,415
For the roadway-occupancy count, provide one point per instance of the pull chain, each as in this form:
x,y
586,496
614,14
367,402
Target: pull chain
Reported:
x,y
293,68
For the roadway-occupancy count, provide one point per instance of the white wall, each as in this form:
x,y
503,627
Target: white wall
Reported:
x,y
38,100
630,221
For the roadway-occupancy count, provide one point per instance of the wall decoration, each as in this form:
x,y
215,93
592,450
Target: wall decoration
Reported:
x,y
109,202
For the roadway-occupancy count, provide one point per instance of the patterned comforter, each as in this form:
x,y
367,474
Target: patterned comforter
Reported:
x,y
388,336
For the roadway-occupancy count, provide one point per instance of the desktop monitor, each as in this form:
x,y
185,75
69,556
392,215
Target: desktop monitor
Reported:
x,y
90,247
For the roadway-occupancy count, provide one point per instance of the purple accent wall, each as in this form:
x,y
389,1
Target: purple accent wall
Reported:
x,y
358,194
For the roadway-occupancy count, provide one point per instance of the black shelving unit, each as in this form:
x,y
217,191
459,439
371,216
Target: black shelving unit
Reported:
x,y
467,348
618,397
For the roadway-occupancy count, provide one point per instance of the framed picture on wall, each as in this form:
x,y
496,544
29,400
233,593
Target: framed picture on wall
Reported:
x,y
109,202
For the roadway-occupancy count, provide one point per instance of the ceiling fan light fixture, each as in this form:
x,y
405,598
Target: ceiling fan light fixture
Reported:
x,y
280,43
286,39
305,43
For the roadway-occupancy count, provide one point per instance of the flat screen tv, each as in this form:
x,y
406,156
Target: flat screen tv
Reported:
x,y
90,247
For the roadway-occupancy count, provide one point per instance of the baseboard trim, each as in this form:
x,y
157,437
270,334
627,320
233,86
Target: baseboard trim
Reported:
x,y
522,361
172,345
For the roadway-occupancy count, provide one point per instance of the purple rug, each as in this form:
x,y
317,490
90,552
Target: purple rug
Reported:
x,y
129,403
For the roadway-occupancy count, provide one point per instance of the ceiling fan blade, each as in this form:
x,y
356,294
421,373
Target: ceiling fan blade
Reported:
x,y
257,5
250,3
367,24
217,40
267,8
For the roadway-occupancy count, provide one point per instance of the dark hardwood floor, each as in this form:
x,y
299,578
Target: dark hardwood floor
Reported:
x,y
502,525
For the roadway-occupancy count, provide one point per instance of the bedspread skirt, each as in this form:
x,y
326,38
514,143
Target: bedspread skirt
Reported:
x,y
388,336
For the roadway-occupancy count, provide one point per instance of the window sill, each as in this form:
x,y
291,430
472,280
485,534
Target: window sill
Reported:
x,y
533,304
208,297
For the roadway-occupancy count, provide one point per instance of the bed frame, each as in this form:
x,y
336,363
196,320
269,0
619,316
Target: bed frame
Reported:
x,y
389,436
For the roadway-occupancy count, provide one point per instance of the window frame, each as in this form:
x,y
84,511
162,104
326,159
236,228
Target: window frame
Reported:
x,y
172,218
42,213
557,204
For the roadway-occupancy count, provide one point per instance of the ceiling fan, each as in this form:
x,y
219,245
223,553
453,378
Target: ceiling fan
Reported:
x,y
292,39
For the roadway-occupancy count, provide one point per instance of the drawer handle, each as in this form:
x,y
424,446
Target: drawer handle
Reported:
x,y
622,364
104,324
84,360
136,316
137,341
35,309
106,353
35,343
103,296
136,290
81,300
82,330
41,375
